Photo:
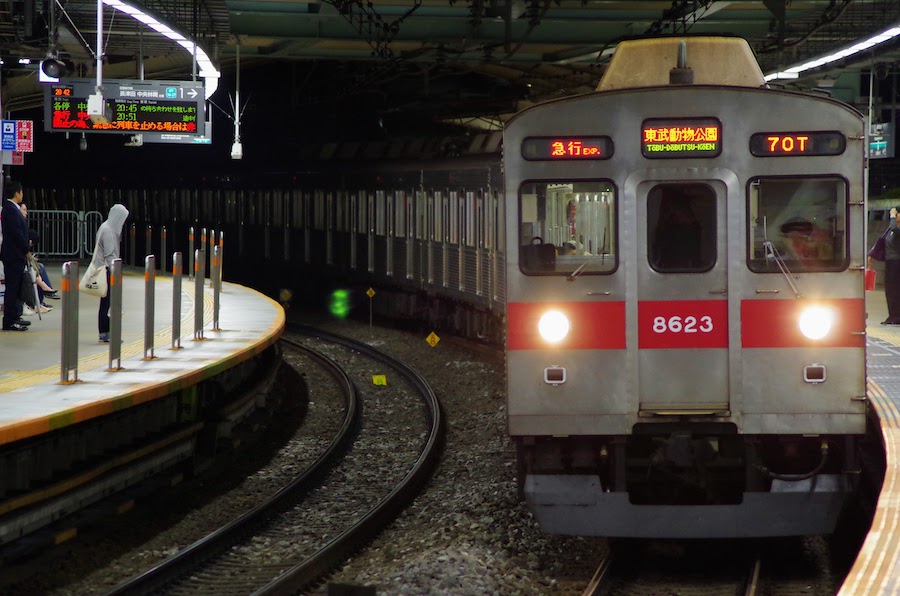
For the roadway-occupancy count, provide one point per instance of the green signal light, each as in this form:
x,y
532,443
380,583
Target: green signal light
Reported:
x,y
339,304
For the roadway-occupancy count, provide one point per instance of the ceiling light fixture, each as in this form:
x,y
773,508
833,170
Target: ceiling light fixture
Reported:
x,y
884,36
207,70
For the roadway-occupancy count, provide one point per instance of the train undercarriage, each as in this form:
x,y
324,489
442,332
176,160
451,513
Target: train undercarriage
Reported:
x,y
680,481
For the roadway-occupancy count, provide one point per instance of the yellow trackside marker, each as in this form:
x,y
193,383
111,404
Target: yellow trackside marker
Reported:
x,y
370,293
379,380
65,535
432,339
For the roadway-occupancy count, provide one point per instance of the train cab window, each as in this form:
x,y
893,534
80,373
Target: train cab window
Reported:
x,y
801,220
566,227
681,228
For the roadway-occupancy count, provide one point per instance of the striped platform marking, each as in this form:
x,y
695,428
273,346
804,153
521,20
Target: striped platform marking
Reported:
x,y
873,570
69,484
888,334
125,507
65,535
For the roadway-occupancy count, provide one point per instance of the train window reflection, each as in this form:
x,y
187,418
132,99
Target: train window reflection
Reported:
x,y
803,218
567,226
681,228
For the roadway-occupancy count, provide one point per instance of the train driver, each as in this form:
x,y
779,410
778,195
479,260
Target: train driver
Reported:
x,y
803,241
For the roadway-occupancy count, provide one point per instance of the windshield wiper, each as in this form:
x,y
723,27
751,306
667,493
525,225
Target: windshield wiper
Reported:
x,y
772,254
577,272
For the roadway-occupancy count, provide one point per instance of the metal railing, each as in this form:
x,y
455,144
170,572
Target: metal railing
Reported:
x,y
65,234
69,293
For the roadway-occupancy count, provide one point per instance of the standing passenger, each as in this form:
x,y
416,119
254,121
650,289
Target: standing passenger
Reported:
x,y
109,235
892,269
13,253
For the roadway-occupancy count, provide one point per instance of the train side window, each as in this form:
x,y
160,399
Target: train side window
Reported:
x,y
681,228
805,219
567,226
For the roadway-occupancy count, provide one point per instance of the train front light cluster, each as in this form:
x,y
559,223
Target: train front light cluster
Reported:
x,y
816,321
553,326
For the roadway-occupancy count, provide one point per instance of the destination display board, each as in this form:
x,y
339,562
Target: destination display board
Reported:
x,y
563,148
131,107
787,144
679,138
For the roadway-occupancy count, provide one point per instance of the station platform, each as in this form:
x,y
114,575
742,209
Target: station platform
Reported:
x,y
33,401
877,567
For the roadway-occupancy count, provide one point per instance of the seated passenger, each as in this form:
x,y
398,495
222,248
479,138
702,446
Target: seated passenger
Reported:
x,y
568,248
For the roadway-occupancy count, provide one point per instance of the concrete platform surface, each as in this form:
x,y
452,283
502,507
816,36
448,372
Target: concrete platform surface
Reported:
x,y
33,400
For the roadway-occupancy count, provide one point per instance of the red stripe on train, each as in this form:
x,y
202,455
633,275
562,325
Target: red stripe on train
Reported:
x,y
684,324
593,325
774,324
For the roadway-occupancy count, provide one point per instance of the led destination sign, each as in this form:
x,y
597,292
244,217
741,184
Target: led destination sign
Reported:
x,y
781,144
681,138
131,107
565,148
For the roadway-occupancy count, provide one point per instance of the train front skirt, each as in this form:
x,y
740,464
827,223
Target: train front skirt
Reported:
x,y
577,505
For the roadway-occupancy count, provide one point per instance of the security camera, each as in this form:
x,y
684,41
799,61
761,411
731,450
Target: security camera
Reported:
x,y
135,141
237,151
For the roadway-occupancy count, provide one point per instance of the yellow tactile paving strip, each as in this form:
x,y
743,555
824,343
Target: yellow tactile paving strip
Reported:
x,y
875,569
873,572
251,323
162,339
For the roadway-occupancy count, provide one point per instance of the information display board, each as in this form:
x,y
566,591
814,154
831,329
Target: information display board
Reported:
x,y
881,140
681,138
131,107
781,144
565,148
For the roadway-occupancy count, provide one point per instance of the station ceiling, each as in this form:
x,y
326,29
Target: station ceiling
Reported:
x,y
454,60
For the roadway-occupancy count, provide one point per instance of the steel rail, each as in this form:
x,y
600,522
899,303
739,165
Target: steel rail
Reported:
x,y
337,550
187,559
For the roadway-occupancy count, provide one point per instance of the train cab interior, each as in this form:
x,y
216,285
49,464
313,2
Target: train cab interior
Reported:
x,y
571,227
801,221
567,228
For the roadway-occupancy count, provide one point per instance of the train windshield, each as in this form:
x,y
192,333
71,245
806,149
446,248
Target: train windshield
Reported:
x,y
803,218
567,226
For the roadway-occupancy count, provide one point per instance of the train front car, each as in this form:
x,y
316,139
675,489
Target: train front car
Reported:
x,y
686,319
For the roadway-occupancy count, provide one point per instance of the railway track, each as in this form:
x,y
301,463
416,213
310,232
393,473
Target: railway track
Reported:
x,y
286,542
774,566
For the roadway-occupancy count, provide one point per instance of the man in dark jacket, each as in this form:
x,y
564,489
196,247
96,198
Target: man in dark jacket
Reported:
x,y
13,253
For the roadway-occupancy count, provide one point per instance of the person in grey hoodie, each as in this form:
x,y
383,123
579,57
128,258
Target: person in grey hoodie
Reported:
x,y
109,236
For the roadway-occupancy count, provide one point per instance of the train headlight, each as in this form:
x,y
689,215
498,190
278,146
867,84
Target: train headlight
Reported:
x,y
816,322
553,326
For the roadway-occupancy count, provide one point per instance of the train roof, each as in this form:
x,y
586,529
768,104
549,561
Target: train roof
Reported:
x,y
725,61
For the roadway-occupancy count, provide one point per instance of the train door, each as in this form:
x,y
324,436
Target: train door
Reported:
x,y
682,303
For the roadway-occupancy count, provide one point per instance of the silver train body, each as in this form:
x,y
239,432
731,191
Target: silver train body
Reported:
x,y
702,241
685,310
